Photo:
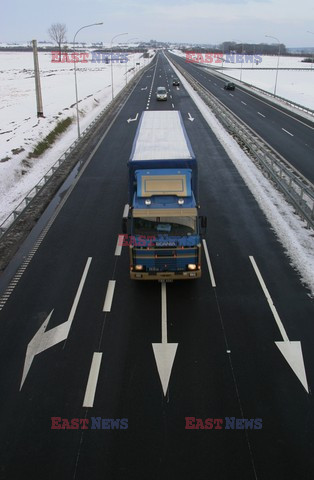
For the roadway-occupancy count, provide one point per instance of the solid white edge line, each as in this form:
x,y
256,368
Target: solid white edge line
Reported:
x,y
92,380
210,269
269,300
109,295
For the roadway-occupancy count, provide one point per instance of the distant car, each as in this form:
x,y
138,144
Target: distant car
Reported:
x,y
229,86
161,93
175,82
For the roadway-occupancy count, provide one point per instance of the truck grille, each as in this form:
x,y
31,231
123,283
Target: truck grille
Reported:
x,y
162,260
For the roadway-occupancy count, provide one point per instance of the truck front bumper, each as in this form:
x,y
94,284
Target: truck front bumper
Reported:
x,y
165,275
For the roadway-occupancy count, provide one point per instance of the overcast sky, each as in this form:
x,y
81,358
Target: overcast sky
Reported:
x,y
202,21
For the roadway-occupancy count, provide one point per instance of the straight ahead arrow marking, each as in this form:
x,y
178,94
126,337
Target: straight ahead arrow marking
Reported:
x,y
164,352
43,340
291,351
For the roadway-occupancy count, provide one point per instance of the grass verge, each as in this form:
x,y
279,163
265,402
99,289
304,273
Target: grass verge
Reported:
x,y
44,144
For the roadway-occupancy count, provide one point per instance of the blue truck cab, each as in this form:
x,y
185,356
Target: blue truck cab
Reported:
x,y
163,220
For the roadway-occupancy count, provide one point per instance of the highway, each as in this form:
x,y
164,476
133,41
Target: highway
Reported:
x,y
288,133
77,334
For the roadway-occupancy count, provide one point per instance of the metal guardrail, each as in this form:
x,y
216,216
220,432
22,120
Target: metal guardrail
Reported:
x,y
296,188
14,215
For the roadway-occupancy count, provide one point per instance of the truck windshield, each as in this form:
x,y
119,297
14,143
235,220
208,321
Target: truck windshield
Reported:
x,y
165,225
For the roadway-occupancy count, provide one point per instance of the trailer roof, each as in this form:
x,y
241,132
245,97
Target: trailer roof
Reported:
x,y
161,136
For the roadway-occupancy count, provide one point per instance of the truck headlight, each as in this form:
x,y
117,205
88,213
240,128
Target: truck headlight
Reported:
x,y
191,266
139,268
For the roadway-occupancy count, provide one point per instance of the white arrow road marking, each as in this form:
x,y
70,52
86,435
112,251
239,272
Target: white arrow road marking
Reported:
x,y
292,351
164,352
190,117
43,340
92,380
132,119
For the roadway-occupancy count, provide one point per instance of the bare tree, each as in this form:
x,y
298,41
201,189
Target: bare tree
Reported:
x,y
57,33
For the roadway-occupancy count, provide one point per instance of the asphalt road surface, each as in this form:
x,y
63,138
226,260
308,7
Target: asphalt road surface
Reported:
x,y
77,334
287,132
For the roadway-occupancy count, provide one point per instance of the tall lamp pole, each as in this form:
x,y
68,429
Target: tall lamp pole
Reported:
x,y
275,38
241,64
239,41
126,70
308,31
119,35
76,94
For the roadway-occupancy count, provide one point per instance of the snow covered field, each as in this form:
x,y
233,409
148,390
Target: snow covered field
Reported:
x,y
20,129
294,85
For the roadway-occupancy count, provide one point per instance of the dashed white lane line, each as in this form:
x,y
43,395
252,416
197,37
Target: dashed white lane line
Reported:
x,y
289,133
261,114
172,105
231,95
210,268
119,245
243,103
109,296
92,380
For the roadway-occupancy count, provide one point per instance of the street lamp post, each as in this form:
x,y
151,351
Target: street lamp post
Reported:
x,y
119,34
126,72
76,94
241,64
308,31
239,41
275,38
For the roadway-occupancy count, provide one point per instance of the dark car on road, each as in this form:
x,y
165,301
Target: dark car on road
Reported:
x,y
229,86
175,82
